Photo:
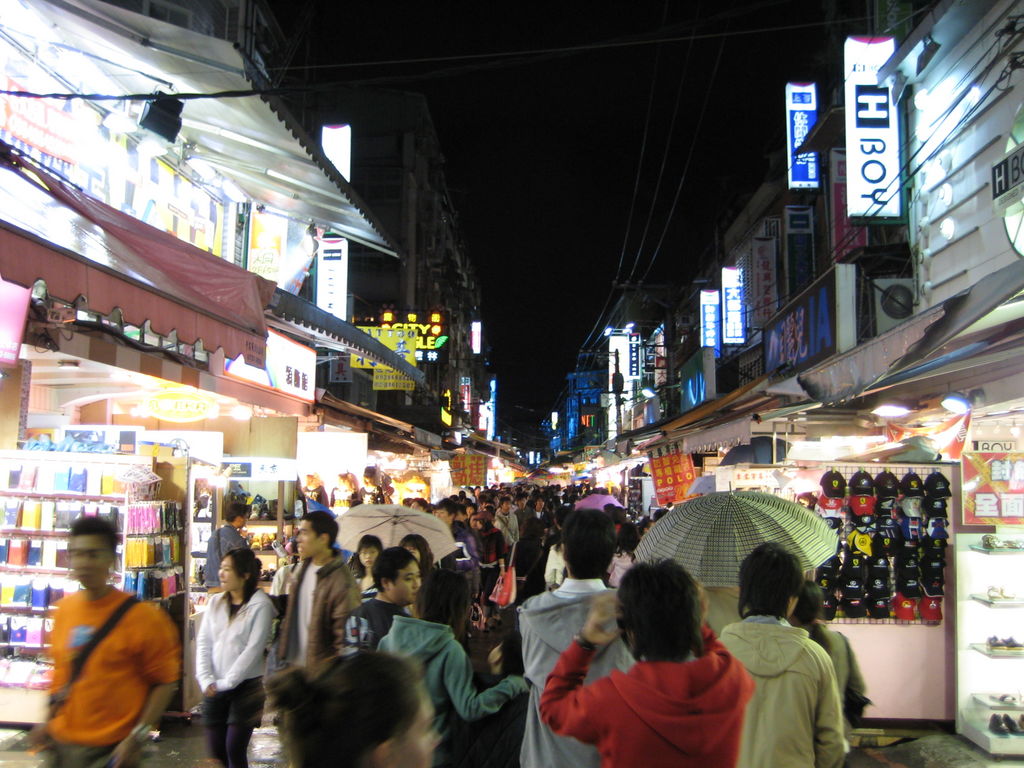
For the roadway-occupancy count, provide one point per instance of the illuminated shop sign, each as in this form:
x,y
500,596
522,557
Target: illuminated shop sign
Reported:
x,y
429,327
281,249
801,114
290,368
710,325
398,340
819,323
476,337
332,275
68,137
733,331
872,131
13,315
180,406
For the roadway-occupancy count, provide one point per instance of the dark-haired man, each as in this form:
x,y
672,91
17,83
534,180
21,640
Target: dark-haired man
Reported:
x,y
682,703
396,575
550,621
321,596
223,540
105,716
795,716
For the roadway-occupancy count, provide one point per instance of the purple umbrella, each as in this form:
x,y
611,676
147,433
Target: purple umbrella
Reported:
x,y
597,501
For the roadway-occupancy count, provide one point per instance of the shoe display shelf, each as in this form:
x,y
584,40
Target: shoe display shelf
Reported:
x,y
990,677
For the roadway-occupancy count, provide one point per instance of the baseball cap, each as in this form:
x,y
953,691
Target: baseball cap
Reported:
x,y
878,608
933,545
835,523
908,586
877,588
855,565
851,588
904,608
885,506
911,484
937,486
830,567
910,527
859,541
886,485
935,506
878,567
833,484
862,507
911,506
830,506
829,604
861,484
933,585
853,608
937,528
931,609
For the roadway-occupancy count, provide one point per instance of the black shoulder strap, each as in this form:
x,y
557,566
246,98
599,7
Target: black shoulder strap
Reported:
x,y
78,663
83,655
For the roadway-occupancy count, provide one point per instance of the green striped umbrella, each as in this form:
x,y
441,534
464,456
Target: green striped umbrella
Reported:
x,y
711,535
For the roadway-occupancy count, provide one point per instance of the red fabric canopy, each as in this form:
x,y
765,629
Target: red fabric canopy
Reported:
x,y
148,274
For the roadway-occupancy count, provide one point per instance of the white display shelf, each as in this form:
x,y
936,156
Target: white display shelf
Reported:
x,y
990,700
983,649
1012,744
23,706
987,601
982,550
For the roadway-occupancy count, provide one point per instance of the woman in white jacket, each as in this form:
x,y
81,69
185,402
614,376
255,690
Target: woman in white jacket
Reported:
x,y
233,635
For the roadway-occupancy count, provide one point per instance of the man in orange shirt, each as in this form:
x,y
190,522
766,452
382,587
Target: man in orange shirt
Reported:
x,y
105,717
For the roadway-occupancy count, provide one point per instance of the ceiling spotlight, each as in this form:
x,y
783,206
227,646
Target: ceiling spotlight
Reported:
x,y
119,122
150,147
241,413
956,402
891,411
648,392
162,116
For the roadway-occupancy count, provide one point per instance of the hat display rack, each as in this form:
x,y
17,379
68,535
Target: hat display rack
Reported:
x,y
892,539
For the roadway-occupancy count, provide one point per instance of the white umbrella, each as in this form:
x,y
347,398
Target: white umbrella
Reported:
x,y
390,523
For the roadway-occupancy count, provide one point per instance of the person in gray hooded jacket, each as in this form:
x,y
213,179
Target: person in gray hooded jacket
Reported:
x,y
549,622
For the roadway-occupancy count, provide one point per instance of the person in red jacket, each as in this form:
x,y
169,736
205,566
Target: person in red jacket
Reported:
x,y
680,705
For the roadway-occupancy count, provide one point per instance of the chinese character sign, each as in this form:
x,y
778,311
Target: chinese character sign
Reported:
x,y
733,330
801,114
468,469
673,474
709,321
993,488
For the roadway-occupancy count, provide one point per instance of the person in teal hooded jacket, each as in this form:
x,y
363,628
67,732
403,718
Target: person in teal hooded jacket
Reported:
x,y
433,639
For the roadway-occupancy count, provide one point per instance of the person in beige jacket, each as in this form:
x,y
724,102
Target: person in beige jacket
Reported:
x,y
795,718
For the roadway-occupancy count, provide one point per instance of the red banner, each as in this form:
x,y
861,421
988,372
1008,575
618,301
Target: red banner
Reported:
x,y
469,469
993,488
673,474
949,436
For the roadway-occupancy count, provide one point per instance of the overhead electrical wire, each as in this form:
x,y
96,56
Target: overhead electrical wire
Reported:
x,y
664,158
689,158
643,152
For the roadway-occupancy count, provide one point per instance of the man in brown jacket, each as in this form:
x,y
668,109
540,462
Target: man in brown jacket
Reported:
x,y
322,595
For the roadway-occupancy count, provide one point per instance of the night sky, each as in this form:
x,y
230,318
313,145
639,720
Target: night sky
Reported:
x,y
542,150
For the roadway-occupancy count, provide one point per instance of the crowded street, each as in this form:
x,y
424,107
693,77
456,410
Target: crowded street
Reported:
x,y
553,385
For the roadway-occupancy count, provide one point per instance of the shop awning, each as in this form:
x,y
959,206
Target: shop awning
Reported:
x,y
714,406
960,327
323,329
83,248
253,140
847,375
